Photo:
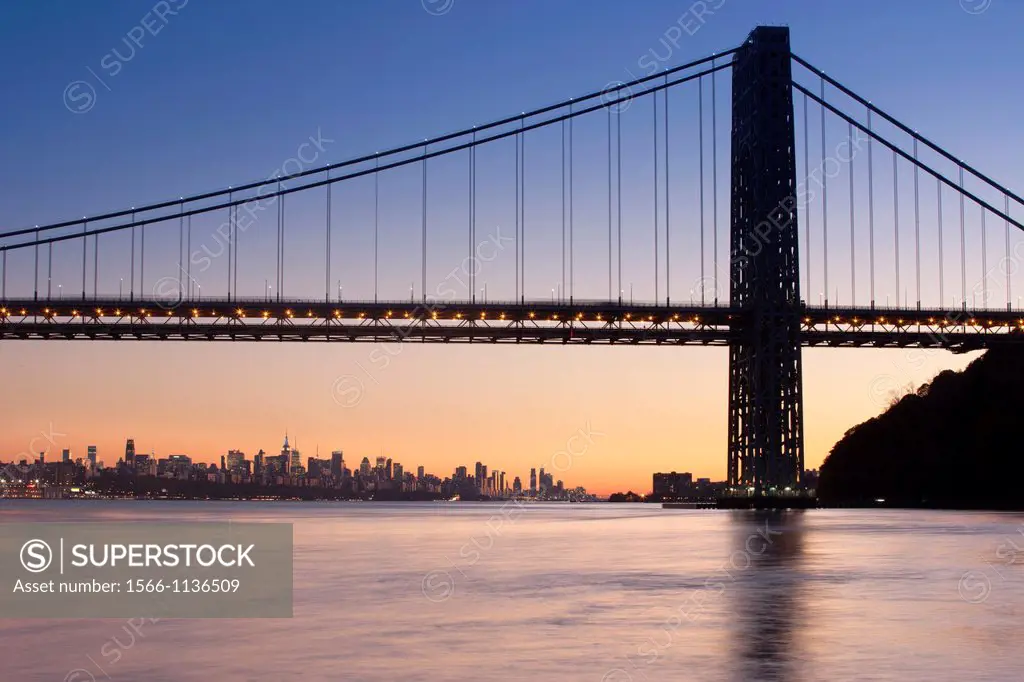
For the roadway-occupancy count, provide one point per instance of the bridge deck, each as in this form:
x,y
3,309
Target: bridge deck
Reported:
x,y
579,322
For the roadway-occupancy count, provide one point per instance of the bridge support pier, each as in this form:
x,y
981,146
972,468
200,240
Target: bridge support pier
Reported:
x,y
765,399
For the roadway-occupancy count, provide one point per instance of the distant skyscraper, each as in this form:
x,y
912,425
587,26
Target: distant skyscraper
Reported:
x,y
337,463
517,485
419,472
286,454
364,467
482,483
533,481
92,455
257,463
388,473
398,473
236,461
478,476
296,462
65,455
129,453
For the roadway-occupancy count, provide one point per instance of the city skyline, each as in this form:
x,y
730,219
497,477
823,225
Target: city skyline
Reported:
x,y
292,462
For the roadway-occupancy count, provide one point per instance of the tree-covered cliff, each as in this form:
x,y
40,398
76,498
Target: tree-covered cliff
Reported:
x,y
957,442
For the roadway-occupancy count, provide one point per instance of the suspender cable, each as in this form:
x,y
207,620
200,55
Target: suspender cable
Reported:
x,y
871,211
700,153
807,213
1006,225
376,223
181,248
984,261
917,228
609,112
49,271
572,253
563,212
327,257
618,193
963,245
853,243
131,283
277,280
280,288
188,260
522,198
896,224
668,252
517,140
714,178
35,285
231,239
654,108
96,265
131,279
824,195
469,219
85,244
473,192
423,267
938,194
142,260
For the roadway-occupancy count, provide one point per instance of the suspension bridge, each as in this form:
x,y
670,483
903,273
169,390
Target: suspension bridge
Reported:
x,y
618,208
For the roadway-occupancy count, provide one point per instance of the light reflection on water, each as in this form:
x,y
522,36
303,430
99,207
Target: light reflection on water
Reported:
x,y
613,593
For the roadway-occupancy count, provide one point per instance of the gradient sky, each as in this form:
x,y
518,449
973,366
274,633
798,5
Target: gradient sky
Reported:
x,y
226,91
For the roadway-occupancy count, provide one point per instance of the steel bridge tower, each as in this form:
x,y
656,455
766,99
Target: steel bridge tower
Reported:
x,y
765,400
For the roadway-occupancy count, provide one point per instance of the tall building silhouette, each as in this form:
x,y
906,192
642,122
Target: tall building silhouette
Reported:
x,y
129,453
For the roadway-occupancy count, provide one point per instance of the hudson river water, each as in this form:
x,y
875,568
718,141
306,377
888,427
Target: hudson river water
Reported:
x,y
405,592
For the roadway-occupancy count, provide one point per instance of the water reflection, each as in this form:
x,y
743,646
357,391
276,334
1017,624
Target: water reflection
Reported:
x,y
767,599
